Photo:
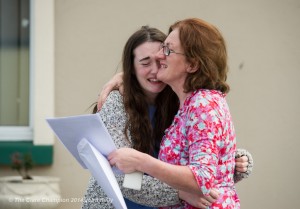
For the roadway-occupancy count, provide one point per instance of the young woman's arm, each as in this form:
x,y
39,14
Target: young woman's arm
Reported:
x,y
153,193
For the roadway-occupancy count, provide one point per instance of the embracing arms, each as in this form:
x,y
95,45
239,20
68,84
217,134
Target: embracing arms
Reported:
x,y
244,160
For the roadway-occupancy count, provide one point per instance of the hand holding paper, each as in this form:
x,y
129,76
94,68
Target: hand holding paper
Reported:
x,y
88,140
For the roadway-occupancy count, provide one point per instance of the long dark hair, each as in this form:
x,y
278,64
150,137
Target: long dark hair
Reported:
x,y
143,135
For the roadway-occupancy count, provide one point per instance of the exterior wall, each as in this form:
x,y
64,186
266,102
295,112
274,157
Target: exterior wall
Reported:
x,y
264,53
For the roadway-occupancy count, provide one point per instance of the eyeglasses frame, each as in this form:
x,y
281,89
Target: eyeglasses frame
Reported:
x,y
168,51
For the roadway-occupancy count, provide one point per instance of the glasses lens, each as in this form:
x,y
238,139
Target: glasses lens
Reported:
x,y
166,50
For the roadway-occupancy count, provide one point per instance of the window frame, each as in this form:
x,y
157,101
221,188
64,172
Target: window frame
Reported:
x,y
41,64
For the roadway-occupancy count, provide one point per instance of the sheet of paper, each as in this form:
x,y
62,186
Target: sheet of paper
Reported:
x,y
133,180
101,170
70,130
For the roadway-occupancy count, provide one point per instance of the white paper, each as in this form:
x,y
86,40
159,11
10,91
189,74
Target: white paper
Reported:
x,y
133,180
101,170
88,134
70,131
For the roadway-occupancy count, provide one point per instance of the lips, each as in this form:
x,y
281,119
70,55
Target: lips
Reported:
x,y
162,65
154,80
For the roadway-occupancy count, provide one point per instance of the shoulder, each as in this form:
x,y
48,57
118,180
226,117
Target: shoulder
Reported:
x,y
113,101
205,98
114,117
114,97
207,104
113,110
207,94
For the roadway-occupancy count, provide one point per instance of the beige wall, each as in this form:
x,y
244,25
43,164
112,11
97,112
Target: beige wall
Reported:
x,y
264,50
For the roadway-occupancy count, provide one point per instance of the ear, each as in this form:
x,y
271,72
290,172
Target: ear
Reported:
x,y
193,67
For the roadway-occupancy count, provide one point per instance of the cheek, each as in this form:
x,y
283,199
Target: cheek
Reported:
x,y
140,74
141,71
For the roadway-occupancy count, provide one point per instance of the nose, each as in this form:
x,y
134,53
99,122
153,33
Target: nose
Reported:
x,y
155,67
159,55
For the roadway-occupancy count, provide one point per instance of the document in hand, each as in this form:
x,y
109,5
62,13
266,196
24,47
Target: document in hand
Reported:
x,y
88,140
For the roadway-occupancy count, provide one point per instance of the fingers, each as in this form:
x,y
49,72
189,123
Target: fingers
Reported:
x,y
204,205
208,200
241,168
242,159
116,83
114,163
121,89
214,193
199,201
212,197
107,88
111,158
241,164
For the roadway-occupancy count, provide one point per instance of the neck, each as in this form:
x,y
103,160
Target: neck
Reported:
x,y
182,95
150,98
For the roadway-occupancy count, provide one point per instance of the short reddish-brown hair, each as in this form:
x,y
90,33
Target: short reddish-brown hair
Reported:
x,y
204,47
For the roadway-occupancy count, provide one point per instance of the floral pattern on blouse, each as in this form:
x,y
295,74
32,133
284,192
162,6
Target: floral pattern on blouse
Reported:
x,y
202,137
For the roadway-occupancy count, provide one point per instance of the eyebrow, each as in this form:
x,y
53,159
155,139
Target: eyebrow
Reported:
x,y
169,44
145,58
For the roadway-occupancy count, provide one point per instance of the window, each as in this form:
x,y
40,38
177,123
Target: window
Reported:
x,y
15,120
26,70
26,79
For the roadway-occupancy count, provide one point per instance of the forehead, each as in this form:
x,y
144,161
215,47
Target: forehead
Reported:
x,y
173,38
147,49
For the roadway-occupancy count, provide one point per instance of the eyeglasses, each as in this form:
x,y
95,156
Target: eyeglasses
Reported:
x,y
168,51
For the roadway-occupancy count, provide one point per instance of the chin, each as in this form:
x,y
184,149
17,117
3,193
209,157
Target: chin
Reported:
x,y
160,77
157,91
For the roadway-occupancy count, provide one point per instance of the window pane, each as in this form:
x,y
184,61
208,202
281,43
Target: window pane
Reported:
x,y
14,62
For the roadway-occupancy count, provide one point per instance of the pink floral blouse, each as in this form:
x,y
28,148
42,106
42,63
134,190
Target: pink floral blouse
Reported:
x,y
202,137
